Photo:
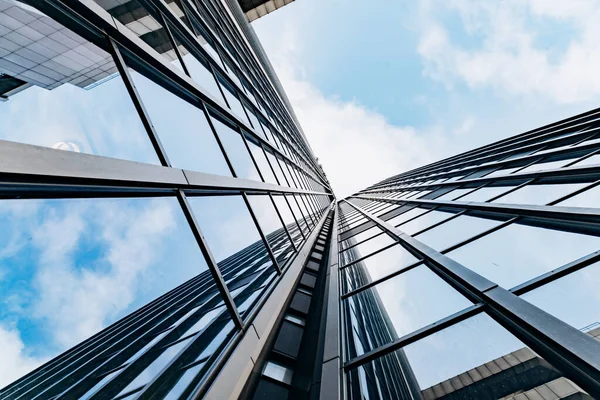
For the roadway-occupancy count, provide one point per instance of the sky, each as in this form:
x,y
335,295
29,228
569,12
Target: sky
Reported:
x,y
382,87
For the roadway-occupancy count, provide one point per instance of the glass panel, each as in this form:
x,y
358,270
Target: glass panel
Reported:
x,y
136,17
455,231
201,75
288,218
156,366
278,372
485,193
183,382
544,166
478,344
300,217
236,151
517,253
397,307
424,221
272,227
573,298
234,103
589,198
503,171
71,96
405,216
109,256
234,240
377,266
480,360
454,194
539,194
261,161
365,248
183,129
593,160
360,237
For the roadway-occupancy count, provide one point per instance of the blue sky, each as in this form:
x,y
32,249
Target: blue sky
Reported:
x,y
405,83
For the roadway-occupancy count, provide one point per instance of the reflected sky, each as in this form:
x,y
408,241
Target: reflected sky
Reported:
x,y
71,267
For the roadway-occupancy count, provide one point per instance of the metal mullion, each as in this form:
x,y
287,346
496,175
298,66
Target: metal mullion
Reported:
x,y
363,257
210,261
310,216
590,154
551,213
218,66
138,103
262,234
173,43
575,353
419,262
287,232
294,216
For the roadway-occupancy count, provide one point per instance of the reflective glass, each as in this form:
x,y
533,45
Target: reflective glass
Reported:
x,y
201,75
543,166
71,96
479,344
454,194
272,227
377,266
517,253
234,104
485,193
365,248
406,215
397,307
360,237
261,161
183,382
136,17
455,231
72,267
593,160
236,151
233,240
288,218
480,360
182,128
573,298
538,194
589,198
503,171
424,221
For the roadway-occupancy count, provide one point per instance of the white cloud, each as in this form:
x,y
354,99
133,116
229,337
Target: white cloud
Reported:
x,y
356,146
15,360
537,47
76,297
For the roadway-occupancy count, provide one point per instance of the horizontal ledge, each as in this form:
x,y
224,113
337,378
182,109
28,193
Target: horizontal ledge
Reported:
x,y
29,168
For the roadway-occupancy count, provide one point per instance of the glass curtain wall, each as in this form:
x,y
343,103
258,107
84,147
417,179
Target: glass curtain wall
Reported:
x,y
154,189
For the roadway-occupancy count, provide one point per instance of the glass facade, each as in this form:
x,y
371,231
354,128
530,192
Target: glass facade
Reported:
x,y
160,190
472,278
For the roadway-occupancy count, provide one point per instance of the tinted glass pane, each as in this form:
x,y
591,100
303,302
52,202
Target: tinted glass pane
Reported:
x,y
360,237
136,17
517,253
288,218
201,75
424,221
234,241
376,266
538,194
272,227
236,151
455,231
72,267
478,343
67,94
480,360
485,193
261,161
574,298
182,128
365,248
405,216
589,198
397,307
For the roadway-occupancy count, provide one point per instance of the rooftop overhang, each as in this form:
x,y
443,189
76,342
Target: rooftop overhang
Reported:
x,y
255,9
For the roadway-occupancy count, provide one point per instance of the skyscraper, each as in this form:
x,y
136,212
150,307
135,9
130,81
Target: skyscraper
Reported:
x,y
169,233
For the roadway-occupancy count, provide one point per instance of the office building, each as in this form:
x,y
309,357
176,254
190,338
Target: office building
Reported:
x,y
169,233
